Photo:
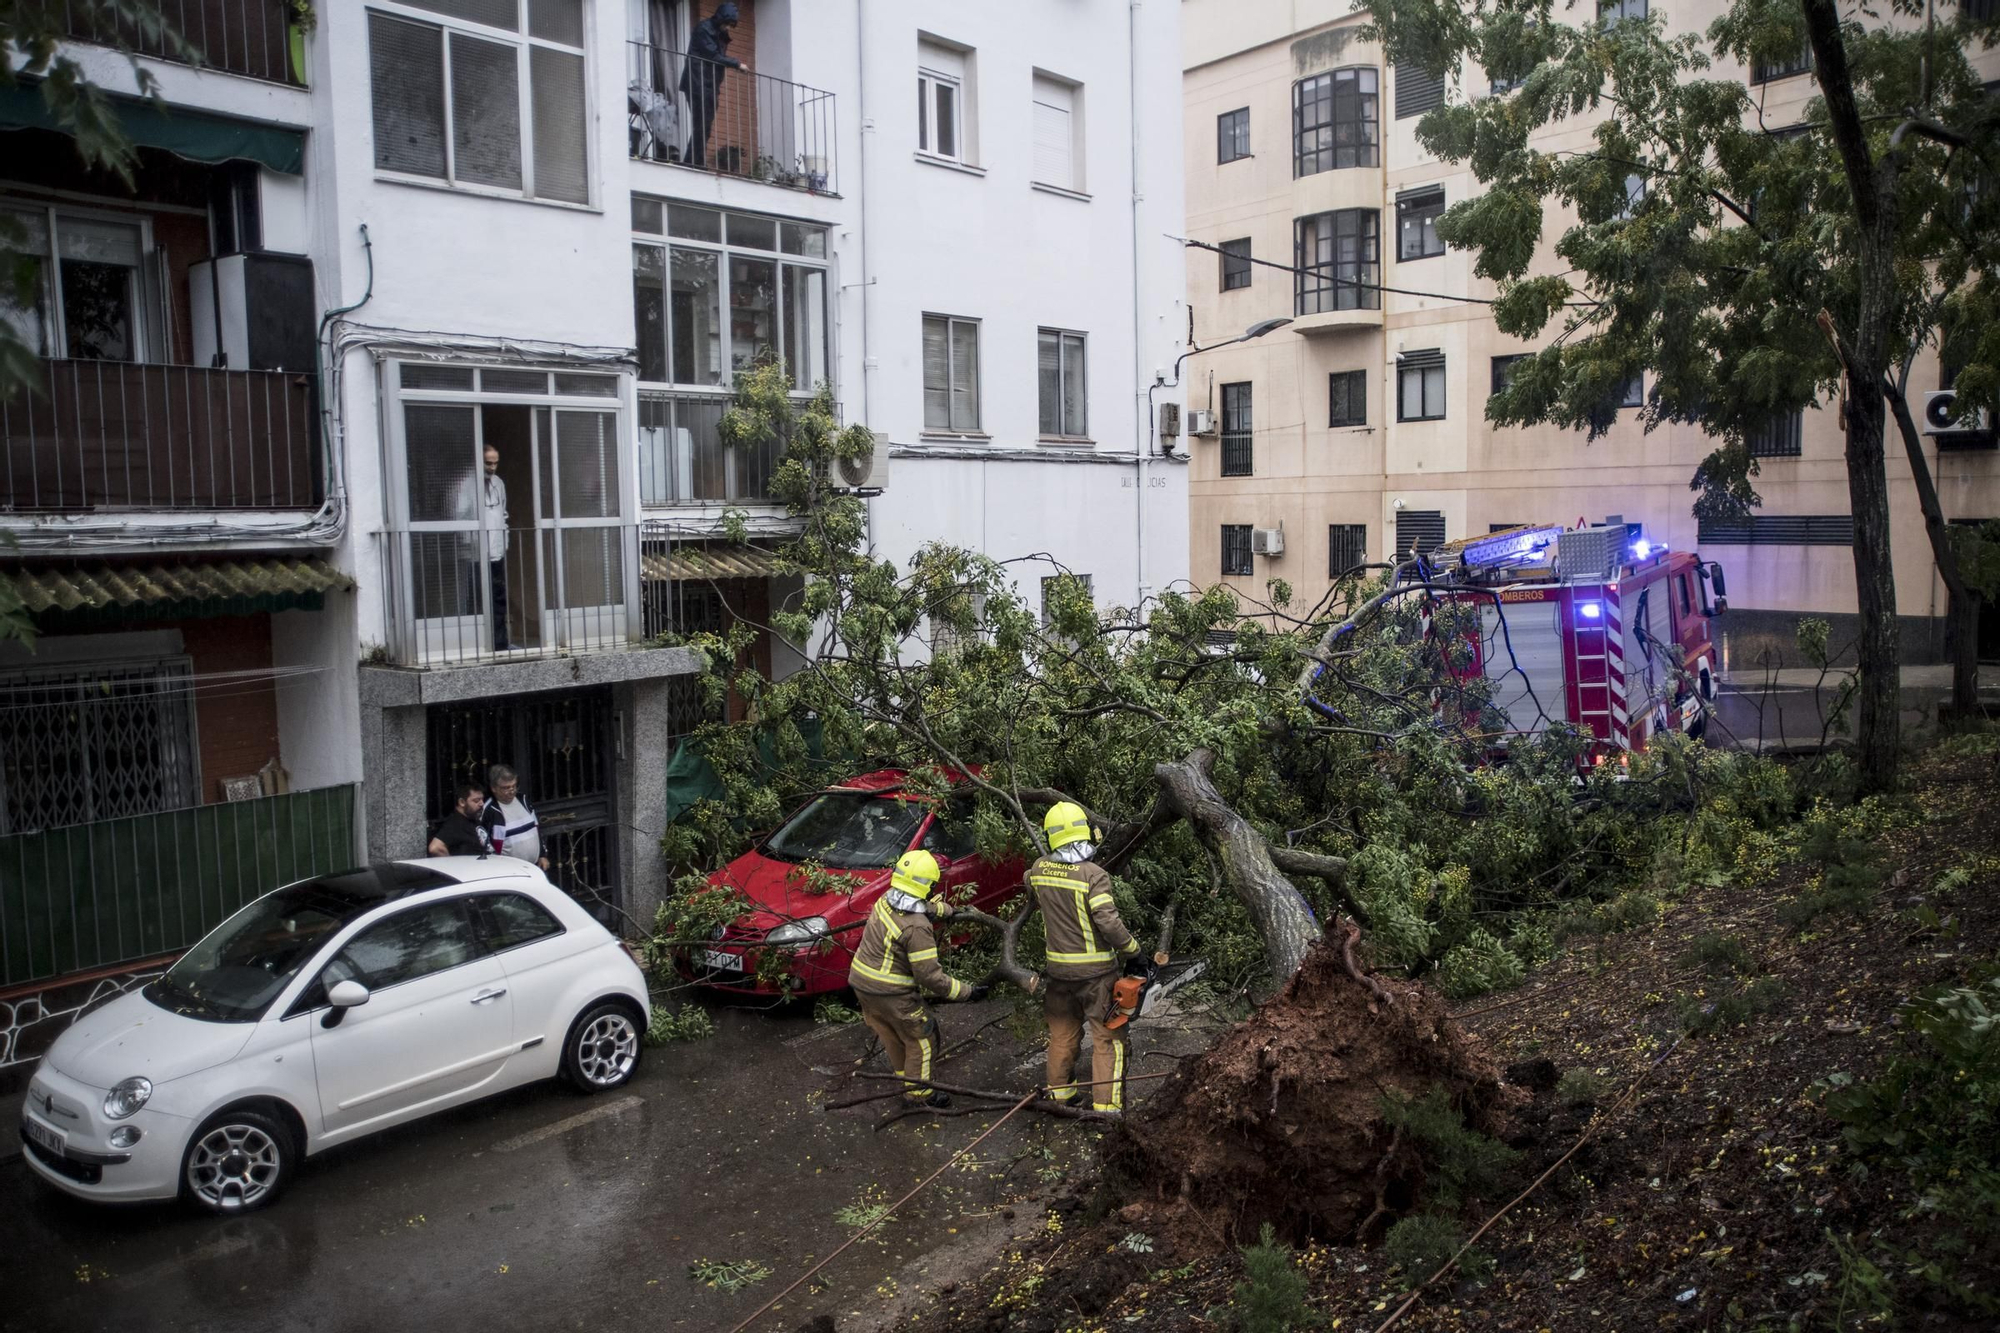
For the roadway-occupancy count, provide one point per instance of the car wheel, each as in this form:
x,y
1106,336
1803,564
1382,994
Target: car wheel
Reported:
x,y
602,1049
237,1161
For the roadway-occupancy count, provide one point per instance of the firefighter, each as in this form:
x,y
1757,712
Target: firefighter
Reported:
x,y
1086,945
896,963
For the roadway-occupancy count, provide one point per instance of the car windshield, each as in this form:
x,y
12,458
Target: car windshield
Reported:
x,y
848,831
237,970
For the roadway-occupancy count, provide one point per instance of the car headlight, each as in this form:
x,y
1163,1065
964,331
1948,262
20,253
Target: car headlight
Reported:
x,y
125,1099
798,932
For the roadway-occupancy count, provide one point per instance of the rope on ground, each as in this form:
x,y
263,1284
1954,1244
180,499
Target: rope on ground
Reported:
x,y
893,1209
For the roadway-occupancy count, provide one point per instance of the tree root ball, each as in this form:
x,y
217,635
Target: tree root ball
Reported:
x,y
1282,1120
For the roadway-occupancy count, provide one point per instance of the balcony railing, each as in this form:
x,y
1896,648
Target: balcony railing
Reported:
x,y
113,435
682,459
714,117
248,37
462,597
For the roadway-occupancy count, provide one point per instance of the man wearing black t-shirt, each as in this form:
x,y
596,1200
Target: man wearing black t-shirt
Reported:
x,y
465,831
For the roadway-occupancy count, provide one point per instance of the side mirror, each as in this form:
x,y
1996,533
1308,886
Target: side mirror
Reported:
x,y
345,995
1721,584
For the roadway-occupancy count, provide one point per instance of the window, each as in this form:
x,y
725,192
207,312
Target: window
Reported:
x,y
451,102
1418,532
1778,530
769,275
951,373
1051,583
1798,62
1347,398
1780,437
1635,194
1235,264
1416,224
90,295
1236,430
1503,369
1060,376
509,920
1236,559
1420,386
1633,392
1346,548
1336,121
1613,12
1339,258
407,947
1232,135
96,741
950,837
1058,147
1417,91
943,74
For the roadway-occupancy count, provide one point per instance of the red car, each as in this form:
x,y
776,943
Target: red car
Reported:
x,y
855,831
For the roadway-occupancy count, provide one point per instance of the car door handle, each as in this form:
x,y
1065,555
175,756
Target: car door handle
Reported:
x,y
484,996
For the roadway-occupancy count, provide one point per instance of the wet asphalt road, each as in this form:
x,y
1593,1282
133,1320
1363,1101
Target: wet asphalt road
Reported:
x,y
541,1209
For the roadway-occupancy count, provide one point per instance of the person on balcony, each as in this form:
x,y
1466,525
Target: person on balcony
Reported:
x,y
708,58
483,497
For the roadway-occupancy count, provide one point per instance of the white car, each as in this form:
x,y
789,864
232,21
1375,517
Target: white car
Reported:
x,y
330,1009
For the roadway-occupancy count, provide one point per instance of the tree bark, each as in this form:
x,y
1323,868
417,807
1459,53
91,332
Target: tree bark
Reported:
x,y
1961,602
1280,913
1009,967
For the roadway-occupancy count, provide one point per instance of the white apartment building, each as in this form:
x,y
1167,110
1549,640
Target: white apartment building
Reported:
x,y
379,436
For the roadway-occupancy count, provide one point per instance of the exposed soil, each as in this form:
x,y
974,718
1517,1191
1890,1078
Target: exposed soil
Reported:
x,y
1711,1197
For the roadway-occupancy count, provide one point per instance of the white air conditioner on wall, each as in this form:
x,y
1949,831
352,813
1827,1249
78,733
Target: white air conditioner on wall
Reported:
x,y
870,472
1267,541
1937,416
1200,421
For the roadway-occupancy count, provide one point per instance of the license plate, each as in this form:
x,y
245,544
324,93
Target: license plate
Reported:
x,y
717,961
45,1136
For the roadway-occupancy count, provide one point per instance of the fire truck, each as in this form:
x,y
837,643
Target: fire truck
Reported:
x,y
1593,626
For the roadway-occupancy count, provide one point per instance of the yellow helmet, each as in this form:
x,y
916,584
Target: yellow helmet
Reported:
x,y
1065,823
916,873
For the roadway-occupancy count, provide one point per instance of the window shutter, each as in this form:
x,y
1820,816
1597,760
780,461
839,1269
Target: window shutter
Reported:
x,y
1048,378
562,157
1778,530
486,112
964,375
406,68
937,376
1417,91
1418,532
1054,137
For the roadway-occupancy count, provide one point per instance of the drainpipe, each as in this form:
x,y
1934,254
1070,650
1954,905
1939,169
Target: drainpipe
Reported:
x,y
1142,446
867,275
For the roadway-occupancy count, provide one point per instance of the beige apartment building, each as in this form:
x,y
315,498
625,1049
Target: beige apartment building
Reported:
x,y
1359,430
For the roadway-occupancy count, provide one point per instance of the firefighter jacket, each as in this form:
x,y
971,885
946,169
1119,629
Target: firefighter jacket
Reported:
x,y
1085,937
898,952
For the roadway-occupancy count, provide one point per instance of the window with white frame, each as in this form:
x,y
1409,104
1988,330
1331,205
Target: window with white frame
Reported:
x,y
482,94
1060,374
93,285
690,265
1058,132
944,77
951,373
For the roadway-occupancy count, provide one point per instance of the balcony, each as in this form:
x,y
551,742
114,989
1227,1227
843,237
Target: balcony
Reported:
x,y
254,38
463,596
733,122
97,435
683,461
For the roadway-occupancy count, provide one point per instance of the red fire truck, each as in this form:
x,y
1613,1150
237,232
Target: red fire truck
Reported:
x,y
1594,626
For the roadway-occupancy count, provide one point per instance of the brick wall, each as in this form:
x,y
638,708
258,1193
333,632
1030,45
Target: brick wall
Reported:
x,y
736,107
235,722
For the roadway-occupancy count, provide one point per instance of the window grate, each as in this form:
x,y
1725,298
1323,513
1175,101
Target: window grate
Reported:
x,y
1346,548
1778,530
1236,557
1236,430
1799,62
96,742
1418,532
1781,437
1417,91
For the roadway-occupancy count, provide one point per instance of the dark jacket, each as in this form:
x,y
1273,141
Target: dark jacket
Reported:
x,y
464,837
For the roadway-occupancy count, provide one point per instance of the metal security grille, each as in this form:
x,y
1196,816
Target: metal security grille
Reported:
x,y
1418,532
1236,554
1778,530
1417,91
1781,437
96,742
1236,430
1347,547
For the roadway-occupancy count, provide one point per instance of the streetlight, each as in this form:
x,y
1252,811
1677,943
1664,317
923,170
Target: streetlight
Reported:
x,y
1257,330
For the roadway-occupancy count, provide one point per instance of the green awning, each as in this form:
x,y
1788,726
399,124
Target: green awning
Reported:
x,y
199,136
153,591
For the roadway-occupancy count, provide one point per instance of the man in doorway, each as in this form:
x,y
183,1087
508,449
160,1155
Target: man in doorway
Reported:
x,y
483,497
701,80
513,826
463,832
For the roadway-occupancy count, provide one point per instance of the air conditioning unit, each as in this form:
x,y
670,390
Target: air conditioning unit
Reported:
x,y
867,473
1937,416
1267,541
252,311
1170,421
1200,422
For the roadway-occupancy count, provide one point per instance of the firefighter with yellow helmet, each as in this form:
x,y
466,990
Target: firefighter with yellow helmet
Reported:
x,y
1087,944
897,964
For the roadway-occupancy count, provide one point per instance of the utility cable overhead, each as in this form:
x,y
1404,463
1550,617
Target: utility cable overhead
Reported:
x,y
1326,272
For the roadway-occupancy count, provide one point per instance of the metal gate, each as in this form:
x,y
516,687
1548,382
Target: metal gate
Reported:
x,y
564,745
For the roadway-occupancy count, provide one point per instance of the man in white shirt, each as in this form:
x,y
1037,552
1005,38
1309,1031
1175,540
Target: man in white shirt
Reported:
x,y
516,832
484,497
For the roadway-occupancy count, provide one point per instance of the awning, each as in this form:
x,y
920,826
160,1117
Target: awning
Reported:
x,y
220,587
199,136
713,562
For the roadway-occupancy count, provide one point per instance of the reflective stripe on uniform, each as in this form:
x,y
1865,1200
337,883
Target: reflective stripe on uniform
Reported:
x,y
922,954
1117,1102
921,1074
1097,956
886,973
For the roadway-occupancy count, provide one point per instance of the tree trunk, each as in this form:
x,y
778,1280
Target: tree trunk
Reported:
x,y
1878,690
1961,612
1280,913
1961,602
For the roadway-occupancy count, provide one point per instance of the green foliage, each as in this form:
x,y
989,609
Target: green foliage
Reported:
x,y
730,1277
1459,1163
688,1023
1422,1243
1582,1087
1271,1298
1699,1015
861,1216
1716,953
1850,874
1479,965
829,1012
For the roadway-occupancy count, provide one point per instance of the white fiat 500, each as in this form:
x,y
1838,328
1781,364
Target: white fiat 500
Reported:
x,y
330,1009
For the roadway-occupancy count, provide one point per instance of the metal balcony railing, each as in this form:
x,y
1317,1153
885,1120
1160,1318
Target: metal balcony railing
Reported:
x,y
248,37
714,117
116,435
458,597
